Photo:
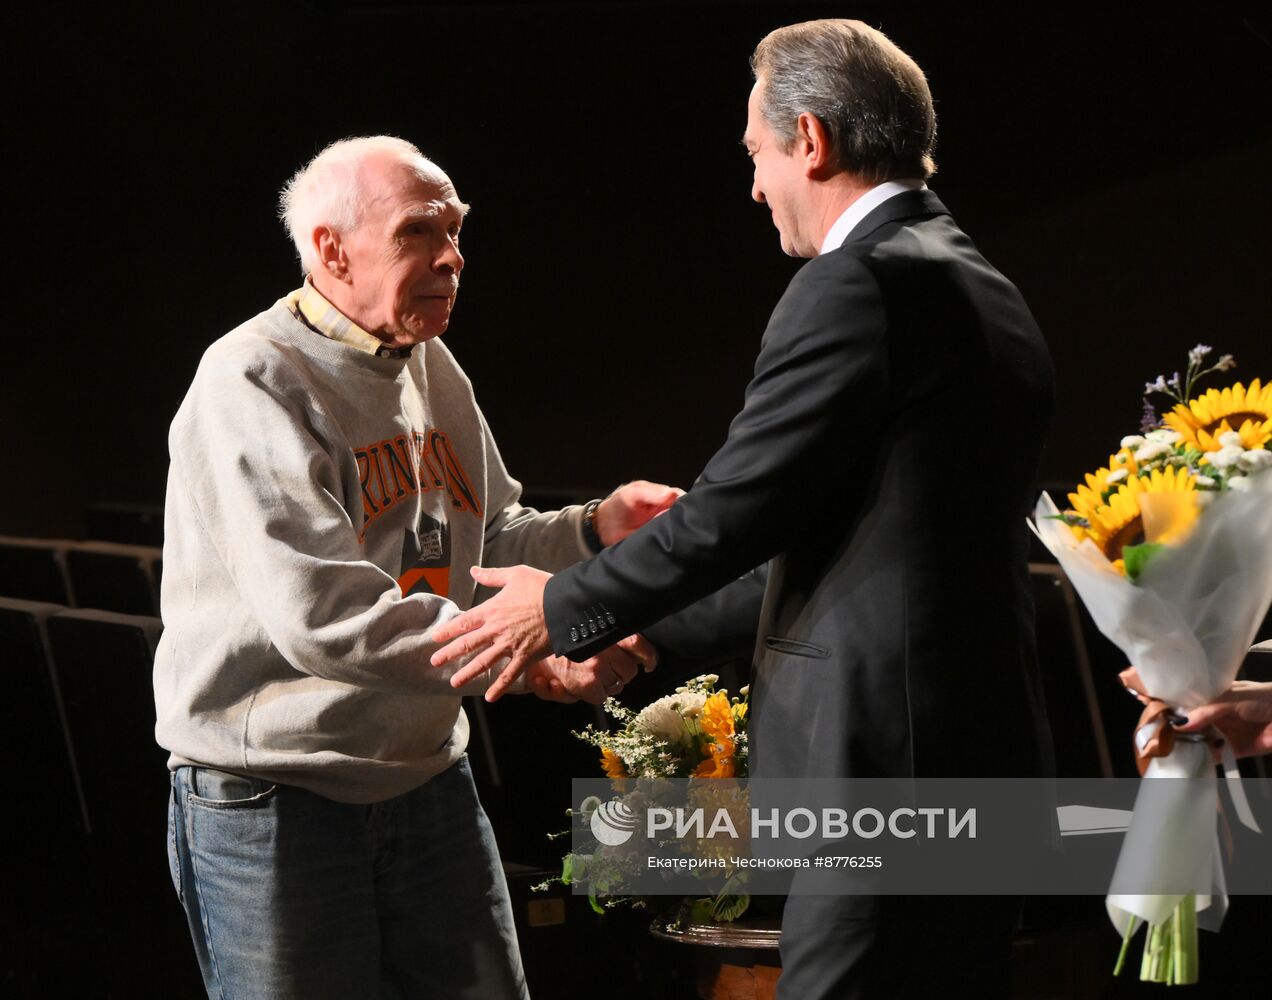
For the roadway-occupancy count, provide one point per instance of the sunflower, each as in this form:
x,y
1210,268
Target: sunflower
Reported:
x,y
1216,412
1119,523
716,722
612,764
1090,495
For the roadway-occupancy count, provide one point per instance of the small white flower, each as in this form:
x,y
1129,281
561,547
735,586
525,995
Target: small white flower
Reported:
x,y
1165,436
1132,441
1239,484
1151,451
1203,482
1198,354
1117,475
1229,439
1255,460
699,682
1227,457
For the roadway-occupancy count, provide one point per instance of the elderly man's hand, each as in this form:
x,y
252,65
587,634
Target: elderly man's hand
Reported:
x,y
556,678
631,506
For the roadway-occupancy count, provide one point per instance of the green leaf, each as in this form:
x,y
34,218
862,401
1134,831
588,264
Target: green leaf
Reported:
x,y
1138,556
701,912
596,907
728,908
567,869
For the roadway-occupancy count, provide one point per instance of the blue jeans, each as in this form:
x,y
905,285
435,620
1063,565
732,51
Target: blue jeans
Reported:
x,y
291,895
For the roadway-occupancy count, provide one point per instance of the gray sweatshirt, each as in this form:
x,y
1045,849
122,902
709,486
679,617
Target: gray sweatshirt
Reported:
x,y
324,506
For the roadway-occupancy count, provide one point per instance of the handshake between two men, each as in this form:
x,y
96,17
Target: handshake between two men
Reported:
x,y
553,677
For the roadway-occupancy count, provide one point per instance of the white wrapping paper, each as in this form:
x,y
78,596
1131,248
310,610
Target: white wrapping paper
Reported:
x,y
1186,624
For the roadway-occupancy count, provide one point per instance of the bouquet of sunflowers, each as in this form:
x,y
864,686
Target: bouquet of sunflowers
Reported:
x,y
696,733
1170,547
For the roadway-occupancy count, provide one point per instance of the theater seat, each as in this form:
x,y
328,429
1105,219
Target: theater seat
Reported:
x,y
34,569
114,577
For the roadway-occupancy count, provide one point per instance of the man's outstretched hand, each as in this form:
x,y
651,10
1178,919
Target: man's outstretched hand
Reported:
x,y
510,625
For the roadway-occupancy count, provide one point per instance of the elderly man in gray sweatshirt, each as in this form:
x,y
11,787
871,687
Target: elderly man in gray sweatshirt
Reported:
x,y
332,483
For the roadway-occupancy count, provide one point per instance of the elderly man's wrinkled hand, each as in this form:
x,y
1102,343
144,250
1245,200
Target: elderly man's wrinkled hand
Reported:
x,y
556,678
543,679
631,506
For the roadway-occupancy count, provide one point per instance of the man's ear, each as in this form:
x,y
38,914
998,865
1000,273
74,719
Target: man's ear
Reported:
x,y
331,255
812,145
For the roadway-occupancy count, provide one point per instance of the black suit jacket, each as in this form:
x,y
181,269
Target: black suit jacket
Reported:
x,y
883,462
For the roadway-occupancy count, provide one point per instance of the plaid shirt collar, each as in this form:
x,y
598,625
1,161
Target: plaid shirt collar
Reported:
x,y
311,307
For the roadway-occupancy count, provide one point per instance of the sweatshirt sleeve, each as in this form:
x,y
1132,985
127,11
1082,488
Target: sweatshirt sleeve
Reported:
x,y
266,494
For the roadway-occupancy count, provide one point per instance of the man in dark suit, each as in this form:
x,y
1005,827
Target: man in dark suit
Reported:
x,y
882,464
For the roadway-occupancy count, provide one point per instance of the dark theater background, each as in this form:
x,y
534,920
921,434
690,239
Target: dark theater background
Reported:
x,y
1112,160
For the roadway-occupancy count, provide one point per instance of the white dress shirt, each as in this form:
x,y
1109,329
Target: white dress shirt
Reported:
x,y
862,207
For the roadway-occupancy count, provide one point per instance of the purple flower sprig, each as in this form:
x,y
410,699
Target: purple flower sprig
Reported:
x,y
1181,389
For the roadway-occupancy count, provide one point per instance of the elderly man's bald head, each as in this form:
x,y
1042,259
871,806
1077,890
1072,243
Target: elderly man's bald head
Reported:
x,y
334,187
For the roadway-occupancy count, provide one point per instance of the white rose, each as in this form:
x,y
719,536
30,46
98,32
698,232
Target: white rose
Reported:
x,y
1150,451
1239,484
1132,441
1165,436
1229,439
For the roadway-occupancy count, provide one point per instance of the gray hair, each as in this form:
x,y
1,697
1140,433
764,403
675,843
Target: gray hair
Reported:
x,y
328,190
871,97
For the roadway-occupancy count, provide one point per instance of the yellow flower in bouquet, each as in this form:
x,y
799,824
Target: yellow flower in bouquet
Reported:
x,y
1247,411
1119,522
716,725
1093,493
612,764
1154,488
